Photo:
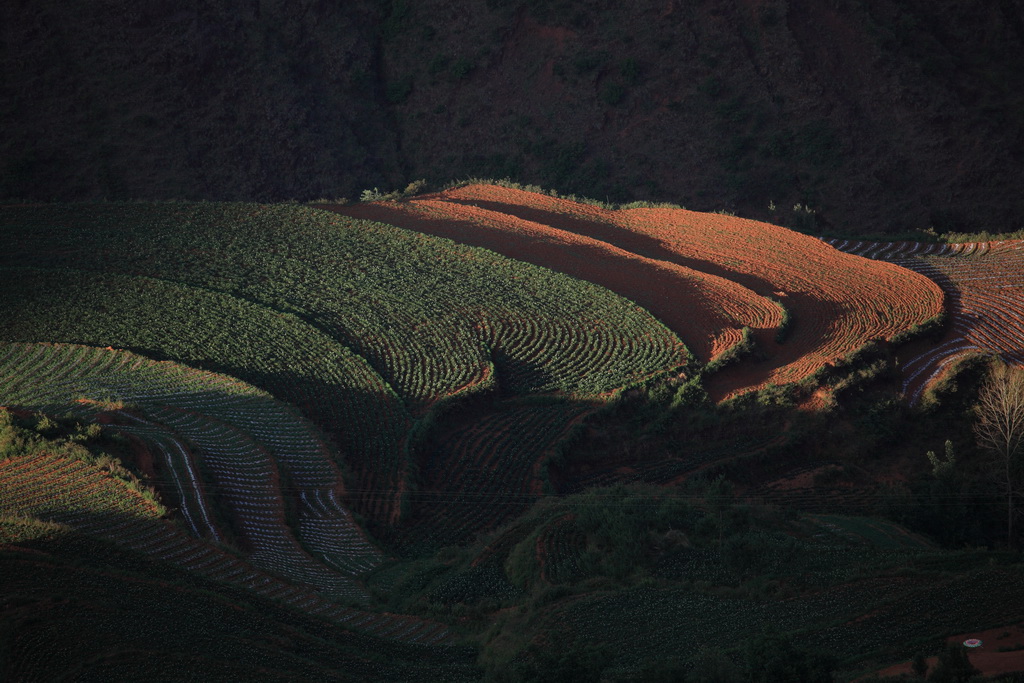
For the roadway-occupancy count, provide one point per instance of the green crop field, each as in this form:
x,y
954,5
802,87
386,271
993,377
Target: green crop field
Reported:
x,y
426,313
212,436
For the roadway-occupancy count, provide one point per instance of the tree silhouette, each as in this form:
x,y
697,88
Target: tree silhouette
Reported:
x,y
1000,430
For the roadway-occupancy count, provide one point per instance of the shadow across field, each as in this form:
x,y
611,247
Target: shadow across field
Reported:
x,y
117,614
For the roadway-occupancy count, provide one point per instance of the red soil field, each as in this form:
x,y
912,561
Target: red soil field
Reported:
x,y
704,275
982,281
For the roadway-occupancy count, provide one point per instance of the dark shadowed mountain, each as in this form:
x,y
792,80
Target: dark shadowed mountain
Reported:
x,y
879,116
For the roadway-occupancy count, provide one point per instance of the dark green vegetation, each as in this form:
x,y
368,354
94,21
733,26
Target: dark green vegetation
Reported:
x,y
552,493
896,114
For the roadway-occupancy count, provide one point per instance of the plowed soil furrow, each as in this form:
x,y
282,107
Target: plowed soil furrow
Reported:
x,y
51,484
984,287
836,304
704,275
179,462
487,471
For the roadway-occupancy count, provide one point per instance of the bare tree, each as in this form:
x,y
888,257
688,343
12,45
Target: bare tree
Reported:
x,y
1000,430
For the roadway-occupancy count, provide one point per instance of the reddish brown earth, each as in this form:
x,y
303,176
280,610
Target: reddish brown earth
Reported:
x,y
982,281
143,457
817,401
704,275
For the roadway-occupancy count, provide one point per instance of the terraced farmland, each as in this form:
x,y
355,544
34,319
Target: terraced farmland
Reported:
x,y
706,311
397,442
297,321
487,472
64,490
411,305
984,287
679,263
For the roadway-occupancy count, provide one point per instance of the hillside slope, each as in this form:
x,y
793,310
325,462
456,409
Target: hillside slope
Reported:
x,y
370,330
880,116
336,449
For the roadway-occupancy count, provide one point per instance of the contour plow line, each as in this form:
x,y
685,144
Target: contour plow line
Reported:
x,y
189,442
286,356
766,259
326,527
486,473
246,477
835,304
984,287
727,264
698,307
175,459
